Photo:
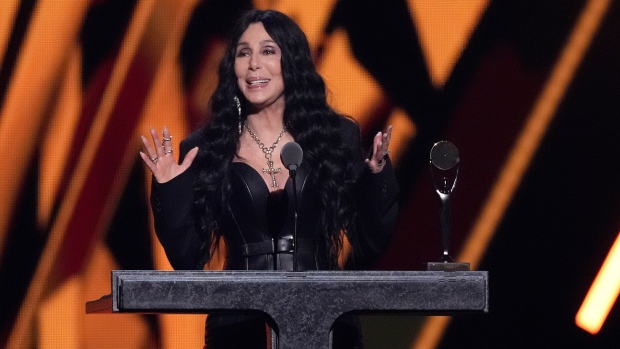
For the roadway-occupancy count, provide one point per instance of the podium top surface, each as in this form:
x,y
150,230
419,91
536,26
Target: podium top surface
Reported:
x,y
202,291
302,305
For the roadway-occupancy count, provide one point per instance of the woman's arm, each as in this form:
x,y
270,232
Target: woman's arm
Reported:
x,y
377,194
172,204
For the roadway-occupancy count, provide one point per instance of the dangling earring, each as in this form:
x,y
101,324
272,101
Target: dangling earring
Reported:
x,y
238,111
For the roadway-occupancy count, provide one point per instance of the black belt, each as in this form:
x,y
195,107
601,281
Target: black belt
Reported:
x,y
276,246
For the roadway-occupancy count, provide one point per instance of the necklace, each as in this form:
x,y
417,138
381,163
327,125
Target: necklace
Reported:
x,y
268,151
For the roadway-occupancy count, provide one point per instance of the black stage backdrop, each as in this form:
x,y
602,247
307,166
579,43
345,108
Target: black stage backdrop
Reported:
x,y
535,116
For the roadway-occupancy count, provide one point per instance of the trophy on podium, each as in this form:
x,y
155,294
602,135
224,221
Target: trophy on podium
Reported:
x,y
444,165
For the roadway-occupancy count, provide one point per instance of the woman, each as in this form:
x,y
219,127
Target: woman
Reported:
x,y
232,187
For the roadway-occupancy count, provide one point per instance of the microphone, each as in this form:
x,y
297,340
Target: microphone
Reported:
x,y
291,156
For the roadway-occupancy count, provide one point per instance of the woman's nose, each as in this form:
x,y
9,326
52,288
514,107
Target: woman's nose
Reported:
x,y
254,61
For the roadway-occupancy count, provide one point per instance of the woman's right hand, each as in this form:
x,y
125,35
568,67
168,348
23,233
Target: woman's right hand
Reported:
x,y
159,157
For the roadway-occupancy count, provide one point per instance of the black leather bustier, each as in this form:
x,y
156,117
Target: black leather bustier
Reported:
x,y
258,225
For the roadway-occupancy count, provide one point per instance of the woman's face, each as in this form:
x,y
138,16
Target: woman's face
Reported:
x,y
258,69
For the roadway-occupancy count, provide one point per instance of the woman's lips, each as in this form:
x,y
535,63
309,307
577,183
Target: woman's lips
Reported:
x,y
256,83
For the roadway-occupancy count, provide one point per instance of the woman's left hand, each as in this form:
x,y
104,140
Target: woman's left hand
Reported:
x,y
380,151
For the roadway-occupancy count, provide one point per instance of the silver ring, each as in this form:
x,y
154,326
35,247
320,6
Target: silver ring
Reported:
x,y
164,139
154,159
387,152
168,151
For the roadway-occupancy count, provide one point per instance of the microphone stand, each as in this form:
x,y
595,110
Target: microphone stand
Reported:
x,y
292,175
291,156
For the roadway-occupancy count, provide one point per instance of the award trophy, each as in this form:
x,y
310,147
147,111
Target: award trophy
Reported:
x,y
444,165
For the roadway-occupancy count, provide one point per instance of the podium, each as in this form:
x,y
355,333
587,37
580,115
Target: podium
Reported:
x,y
302,305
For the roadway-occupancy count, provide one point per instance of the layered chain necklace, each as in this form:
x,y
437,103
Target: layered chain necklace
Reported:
x,y
268,151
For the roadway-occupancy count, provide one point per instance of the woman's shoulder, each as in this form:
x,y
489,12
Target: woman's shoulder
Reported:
x,y
347,122
194,139
349,127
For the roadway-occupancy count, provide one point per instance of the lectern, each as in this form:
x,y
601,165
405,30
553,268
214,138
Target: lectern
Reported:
x,y
302,305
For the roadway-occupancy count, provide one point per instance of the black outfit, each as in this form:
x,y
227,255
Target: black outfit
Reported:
x,y
257,238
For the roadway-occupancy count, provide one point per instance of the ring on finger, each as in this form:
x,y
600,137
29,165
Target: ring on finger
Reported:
x,y
387,152
164,139
154,159
168,151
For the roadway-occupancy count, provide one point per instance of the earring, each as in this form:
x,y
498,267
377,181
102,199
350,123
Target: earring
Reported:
x,y
238,111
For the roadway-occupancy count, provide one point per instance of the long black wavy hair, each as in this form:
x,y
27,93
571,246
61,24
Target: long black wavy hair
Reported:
x,y
308,118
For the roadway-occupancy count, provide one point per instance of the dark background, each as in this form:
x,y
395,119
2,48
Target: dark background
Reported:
x,y
559,225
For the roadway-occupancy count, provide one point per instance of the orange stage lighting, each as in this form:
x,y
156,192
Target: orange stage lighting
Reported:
x,y
602,294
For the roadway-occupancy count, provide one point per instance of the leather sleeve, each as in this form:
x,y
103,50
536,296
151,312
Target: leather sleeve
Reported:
x,y
172,203
377,198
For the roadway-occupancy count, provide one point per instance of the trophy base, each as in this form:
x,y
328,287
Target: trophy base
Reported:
x,y
446,266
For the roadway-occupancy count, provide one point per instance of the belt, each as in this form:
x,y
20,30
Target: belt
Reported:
x,y
272,246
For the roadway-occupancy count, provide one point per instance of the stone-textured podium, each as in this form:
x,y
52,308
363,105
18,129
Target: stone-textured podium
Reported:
x,y
303,305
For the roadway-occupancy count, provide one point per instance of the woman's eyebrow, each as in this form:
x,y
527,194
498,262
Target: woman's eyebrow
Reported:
x,y
268,41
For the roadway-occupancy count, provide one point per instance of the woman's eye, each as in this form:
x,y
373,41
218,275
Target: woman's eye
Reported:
x,y
243,53
269,51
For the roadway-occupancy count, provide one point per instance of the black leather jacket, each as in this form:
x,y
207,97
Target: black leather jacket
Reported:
x,y
256,242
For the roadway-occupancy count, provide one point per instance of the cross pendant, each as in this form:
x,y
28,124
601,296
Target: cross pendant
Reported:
x,y
272,171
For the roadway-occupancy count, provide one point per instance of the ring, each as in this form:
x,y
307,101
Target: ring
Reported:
x,y
154,159
164,139
168,151
387,152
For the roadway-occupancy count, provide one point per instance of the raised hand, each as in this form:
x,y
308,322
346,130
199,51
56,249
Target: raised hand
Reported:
x,y
379,151
159,156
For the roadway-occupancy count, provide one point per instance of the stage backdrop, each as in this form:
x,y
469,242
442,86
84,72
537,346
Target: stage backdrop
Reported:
x,y
529,92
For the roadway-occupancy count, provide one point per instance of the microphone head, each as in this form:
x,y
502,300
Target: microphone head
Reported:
x,y
291,155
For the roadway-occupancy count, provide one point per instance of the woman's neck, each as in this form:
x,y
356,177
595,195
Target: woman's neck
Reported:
x,y
267,121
